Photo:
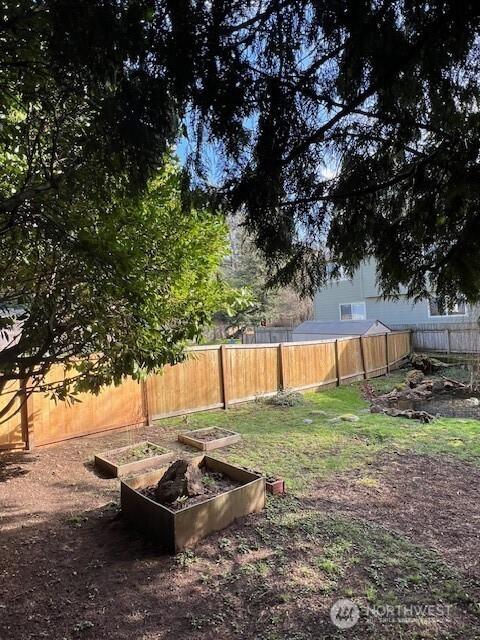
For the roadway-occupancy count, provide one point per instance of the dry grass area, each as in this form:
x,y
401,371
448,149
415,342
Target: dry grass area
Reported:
x,y
379,511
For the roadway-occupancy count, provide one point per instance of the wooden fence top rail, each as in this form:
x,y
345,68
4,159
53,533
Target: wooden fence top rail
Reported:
x,y
444,329
204,347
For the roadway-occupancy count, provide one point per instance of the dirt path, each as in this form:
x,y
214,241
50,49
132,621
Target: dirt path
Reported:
x,y
57,481
433,500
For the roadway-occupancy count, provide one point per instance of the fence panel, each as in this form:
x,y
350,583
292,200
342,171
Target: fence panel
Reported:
x,y
464,340
430,340
11,435
251,371
350,365
455,337
308,365
114,407
193,385
398,346
268,335
375,354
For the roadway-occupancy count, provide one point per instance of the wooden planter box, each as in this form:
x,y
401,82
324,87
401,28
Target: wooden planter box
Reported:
x,y
230,437
176,530
104,463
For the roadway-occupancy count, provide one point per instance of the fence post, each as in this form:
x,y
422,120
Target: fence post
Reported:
x,y
448,341
26,416
223,374
146,403
281,366
337,363
362,353
387,356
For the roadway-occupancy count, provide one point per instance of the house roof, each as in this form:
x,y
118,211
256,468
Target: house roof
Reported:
x,y
341,328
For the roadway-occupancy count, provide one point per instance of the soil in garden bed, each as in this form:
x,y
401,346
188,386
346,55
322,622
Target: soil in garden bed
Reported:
x,y
213,484
215,433
136,453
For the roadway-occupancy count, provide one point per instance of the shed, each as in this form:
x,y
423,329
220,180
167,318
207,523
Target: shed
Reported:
x,y
313,330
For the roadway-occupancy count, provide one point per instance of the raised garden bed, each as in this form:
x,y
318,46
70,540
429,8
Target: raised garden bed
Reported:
x,y
131,459
176,527
209,438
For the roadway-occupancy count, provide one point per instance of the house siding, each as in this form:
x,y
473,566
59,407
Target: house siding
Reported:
x,y
363,288
327,301
404,311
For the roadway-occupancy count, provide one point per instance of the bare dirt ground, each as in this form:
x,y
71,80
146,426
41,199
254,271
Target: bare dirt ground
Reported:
x,y
433,500
69,568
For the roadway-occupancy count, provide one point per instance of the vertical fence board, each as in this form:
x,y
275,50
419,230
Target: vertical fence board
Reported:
x,y
398,346
350,359
375,355
11,434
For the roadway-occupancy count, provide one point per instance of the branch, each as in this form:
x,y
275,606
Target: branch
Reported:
x,y
318,135
368,189
12,203
258,17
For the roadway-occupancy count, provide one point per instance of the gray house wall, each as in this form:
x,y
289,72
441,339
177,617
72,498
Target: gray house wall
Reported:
x,y
363,288
327,301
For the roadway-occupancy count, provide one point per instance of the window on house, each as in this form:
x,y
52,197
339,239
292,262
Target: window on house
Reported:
x,y
353,311
437,309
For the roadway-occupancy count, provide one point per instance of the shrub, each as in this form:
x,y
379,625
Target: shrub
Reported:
x,y
286,398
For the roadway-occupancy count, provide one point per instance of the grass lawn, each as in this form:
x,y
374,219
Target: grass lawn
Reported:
x,y
278,441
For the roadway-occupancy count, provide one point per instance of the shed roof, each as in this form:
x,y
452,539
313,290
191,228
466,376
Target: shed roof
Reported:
x,y
341,328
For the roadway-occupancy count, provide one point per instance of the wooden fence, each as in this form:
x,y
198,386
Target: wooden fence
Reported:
x,y
458,337
212,377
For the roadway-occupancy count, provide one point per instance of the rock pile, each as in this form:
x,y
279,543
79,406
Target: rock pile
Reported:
x,y
417,387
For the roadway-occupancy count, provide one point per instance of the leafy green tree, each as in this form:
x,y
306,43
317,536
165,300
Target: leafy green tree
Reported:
x,y
121,288
346,128
101,260
88,266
